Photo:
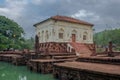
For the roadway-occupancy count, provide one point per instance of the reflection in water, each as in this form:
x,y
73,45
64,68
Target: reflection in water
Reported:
x,y
22,77
11,72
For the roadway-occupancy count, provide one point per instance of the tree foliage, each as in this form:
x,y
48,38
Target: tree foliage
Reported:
x,y
11,35
102,38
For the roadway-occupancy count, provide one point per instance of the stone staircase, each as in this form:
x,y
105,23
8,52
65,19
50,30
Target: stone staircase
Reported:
x,y
81,49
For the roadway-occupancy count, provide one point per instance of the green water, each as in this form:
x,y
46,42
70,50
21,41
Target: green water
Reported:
x,y
11,72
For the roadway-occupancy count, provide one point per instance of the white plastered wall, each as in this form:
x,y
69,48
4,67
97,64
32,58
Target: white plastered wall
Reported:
x,y
53,28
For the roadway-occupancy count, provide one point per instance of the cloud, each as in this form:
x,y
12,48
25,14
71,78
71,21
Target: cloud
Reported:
x,y
39,2
36,2
4,10
28,12
81,14
15,7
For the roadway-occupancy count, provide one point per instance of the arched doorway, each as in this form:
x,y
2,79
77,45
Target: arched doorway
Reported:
x,y
74,35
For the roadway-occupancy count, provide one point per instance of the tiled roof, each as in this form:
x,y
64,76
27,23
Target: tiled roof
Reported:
x,y
66,19
70,19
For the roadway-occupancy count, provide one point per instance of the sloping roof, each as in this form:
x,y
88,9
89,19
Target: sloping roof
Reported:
x,y
66,19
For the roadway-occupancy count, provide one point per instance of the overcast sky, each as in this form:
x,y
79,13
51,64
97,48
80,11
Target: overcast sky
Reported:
x,y
104,14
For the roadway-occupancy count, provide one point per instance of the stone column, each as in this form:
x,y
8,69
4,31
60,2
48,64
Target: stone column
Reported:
x,y
110,47
110,53
36,44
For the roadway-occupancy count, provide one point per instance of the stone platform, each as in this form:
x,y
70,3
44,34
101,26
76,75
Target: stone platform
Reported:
x,y
44,65
13,58
86,71
104,60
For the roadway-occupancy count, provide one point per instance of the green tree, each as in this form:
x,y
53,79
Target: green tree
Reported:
x,y
28,44
102,38
10,34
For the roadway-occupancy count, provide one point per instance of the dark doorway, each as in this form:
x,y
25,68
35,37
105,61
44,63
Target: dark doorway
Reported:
x,y
73,38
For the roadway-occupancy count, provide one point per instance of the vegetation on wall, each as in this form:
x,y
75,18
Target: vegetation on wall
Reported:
x,y
11,35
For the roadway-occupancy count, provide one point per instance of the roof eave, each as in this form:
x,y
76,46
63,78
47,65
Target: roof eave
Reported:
x,y
89,24
74,22
41,22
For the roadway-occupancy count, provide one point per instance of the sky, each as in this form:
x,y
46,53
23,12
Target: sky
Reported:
x,y
104,14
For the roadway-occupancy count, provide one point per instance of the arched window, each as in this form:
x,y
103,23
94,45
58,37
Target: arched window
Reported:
x,y
42,35
61,33
47,36
53,32
85,35
38,34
